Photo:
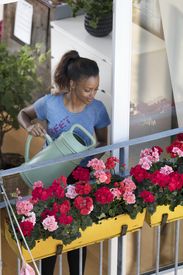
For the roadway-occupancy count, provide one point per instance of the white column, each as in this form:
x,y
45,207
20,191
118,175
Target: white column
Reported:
x,y
121,68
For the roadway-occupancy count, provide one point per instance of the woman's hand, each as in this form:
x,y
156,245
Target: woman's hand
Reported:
x,y
25,118
36,130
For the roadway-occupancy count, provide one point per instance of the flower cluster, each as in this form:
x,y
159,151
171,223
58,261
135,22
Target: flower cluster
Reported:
x,y
62,210
160,182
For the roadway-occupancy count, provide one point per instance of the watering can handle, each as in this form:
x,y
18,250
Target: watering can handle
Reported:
x,y
86,132
28,142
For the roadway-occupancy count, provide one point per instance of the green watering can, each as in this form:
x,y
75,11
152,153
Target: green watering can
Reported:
x,y
67,143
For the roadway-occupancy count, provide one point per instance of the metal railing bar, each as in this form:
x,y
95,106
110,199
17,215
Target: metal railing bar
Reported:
x,y
60,265
101,257
177,234
18,266
158,230
81,261
138,251
91,152
40,266
121,266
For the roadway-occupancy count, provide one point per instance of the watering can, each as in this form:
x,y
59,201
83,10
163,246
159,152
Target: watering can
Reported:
x,y
67,143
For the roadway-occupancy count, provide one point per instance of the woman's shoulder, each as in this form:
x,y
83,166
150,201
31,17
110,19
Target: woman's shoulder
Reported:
x,y
96,103
52,98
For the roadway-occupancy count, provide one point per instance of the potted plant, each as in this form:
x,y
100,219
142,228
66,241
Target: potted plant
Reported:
x,y
19,82
98,18
100,205
160,182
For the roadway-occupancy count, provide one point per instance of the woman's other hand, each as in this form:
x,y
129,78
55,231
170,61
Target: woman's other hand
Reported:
x,y
36,130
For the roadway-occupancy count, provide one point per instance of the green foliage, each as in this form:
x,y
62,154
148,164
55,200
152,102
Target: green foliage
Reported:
x,y
19,81
96,9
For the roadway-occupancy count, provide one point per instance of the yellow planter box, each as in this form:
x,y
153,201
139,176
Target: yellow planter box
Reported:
x,y
107,229
156,218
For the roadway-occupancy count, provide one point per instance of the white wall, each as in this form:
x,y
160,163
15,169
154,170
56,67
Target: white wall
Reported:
x,y
149,17
172,18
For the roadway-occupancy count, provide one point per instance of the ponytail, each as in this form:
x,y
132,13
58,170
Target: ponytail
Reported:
x,y
61,73
73,67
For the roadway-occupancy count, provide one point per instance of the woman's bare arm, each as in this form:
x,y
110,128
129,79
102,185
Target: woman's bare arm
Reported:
x,y
25,118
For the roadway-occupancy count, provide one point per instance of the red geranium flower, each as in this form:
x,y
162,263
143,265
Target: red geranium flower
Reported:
x,y
111,162
139,173
159,179
147,196
103,195
57,190
180,137
64,219
175,182
82,174
65,207
83,188
26,227
84,204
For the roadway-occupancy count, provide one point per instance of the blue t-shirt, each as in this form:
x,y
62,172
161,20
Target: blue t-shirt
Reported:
x,y
52,109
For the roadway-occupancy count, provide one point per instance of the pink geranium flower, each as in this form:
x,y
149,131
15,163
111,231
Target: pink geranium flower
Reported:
x,y
129,197
96,164
149,156
129,185
31,217
23,207
166,170
100,175
116,193
177,151
38,183
71,192
50,224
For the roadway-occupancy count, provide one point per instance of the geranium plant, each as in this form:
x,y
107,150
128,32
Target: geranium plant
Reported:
x,y
160,181
62,210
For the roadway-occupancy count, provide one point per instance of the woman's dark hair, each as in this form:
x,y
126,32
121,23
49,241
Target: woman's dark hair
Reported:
x,y
73,67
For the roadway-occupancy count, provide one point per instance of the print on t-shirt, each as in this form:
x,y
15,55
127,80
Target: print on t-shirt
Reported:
x,y
59,127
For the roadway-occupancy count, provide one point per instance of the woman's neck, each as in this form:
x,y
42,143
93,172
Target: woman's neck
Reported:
x,y
73,104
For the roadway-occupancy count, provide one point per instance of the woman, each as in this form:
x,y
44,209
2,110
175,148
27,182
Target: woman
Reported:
x,y
76,84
